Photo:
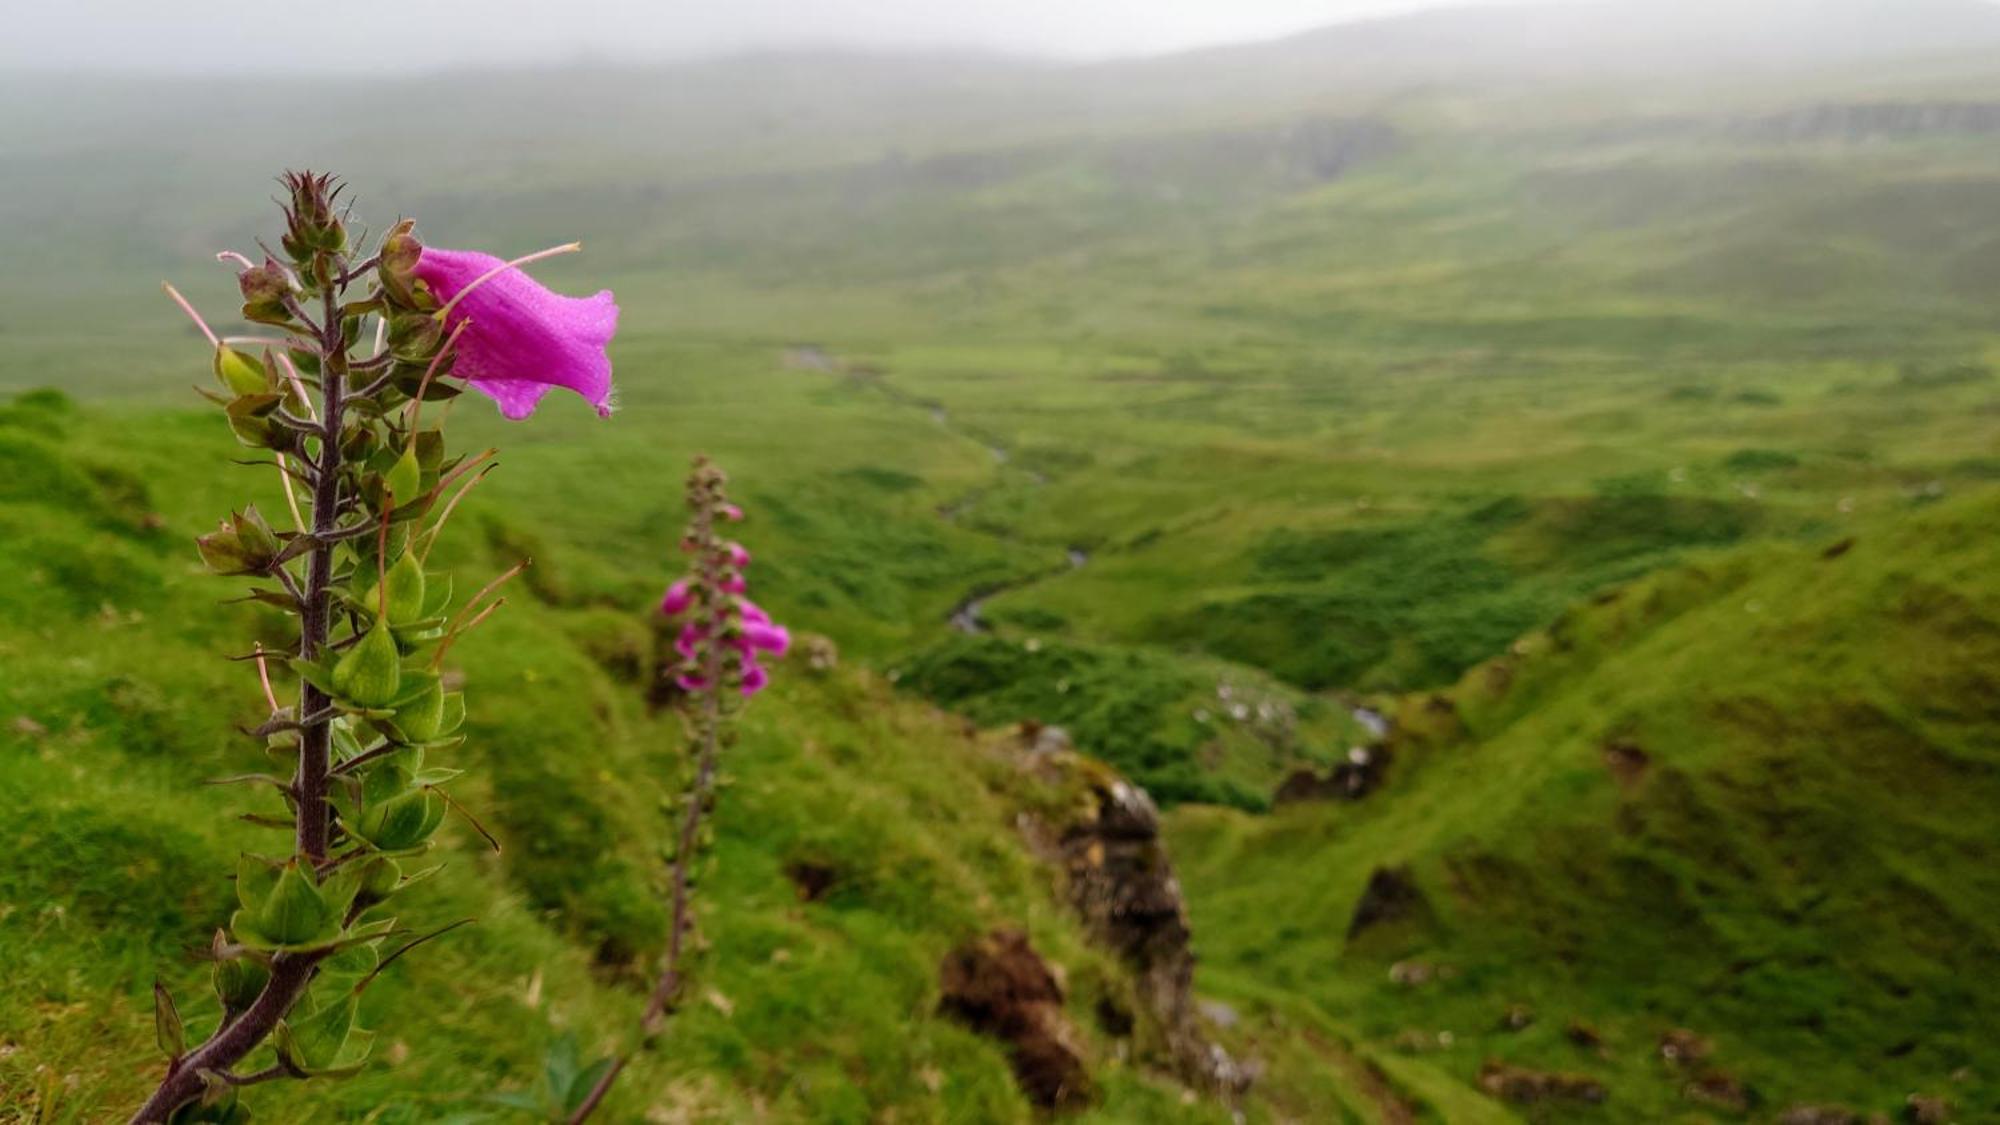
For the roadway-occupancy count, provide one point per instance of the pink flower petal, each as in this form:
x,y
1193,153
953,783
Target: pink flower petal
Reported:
x,y
523,338
691,637
774,639
677,599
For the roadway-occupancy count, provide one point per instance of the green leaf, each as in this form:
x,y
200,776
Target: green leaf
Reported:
x,y
422,717
326,1042
255,878
559,1068
314,673
350,963
389,777
371,673
402,823
582,1084
168,1030
440,596
237,982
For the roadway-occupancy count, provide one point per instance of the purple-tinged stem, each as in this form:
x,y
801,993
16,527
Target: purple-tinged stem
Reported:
x,y
290,973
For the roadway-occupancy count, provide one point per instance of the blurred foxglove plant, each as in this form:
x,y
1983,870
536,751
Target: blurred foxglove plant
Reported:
x,y
722,639
339,407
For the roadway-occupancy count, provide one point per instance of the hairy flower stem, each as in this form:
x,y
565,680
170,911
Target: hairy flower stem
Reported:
x,y
290,972
310,782
708,735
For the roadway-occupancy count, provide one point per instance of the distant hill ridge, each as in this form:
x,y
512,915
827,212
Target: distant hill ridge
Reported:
x,y
1611,38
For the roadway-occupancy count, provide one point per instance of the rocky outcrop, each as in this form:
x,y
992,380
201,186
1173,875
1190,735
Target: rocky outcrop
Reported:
x,y
1391,896
1829,1115
1361,774
1000,987
1527,1087
1122,883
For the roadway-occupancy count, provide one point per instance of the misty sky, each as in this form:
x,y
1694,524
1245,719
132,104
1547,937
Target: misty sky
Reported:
x,y
208,35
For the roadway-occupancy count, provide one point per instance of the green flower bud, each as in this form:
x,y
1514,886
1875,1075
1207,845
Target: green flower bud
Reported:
x,y
295,912
415,337
313,220
379,880
405,582
422,718
238,981
397,268
265,289
371,673
402,823
243,544
239,373
405,479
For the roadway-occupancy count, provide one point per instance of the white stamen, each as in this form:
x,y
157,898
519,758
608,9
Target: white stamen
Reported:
x,y
192,315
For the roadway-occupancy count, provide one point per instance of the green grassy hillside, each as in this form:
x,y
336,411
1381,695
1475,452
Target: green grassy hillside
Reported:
x,y
1750,797
118,703
1231,391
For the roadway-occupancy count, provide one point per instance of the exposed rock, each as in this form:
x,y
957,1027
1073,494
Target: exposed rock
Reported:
x,y
1855,121
1219,1013
1926,1109
812,879
1000,987
1584,1035
1391,896
1517,1017
1042,738
1682,1046
809,357
1411,974
1627,762
1114,1017
1829,1115
1361,774
822,654
1525,1087
1720,1091
1122,883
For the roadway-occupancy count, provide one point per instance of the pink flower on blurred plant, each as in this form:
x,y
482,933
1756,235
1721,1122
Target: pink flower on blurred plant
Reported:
x,y
757,634
761,633
677,599
523,338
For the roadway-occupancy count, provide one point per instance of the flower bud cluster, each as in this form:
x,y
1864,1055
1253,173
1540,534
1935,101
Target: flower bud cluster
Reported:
x,y
723,632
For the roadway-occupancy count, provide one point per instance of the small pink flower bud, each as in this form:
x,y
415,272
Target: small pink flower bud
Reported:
x,y
677,599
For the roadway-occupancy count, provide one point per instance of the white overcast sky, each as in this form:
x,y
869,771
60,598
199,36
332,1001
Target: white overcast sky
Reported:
x,y
214,35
